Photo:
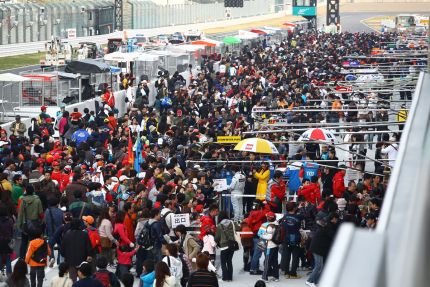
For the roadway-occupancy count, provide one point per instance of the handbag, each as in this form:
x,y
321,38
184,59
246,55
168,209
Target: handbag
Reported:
x,y
262,244
233,244
105,242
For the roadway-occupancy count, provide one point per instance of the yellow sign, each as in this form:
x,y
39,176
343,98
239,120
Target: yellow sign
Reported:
x,y
228,139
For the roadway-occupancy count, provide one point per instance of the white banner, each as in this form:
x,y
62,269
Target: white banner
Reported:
x,y
178,219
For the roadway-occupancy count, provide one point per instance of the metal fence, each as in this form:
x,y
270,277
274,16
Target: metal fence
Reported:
x,y
146,14
20,23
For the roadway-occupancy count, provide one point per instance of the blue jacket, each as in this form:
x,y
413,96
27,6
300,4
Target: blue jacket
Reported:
x,y
156,233
148,279
80,136
292,224
53,219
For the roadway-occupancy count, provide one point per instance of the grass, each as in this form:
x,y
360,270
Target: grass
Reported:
x,y
20,61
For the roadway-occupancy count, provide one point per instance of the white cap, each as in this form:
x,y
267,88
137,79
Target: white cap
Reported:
x,y
123,177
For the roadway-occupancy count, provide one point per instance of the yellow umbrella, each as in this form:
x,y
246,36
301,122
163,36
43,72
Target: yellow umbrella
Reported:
x,y
256,145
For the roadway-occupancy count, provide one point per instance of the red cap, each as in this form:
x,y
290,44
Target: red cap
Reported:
x,y
157,204
270,214
48,120
43,108
39,160
55,163
84,166
199,208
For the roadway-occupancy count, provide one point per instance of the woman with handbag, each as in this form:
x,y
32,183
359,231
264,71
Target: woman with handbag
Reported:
x,y
106,236
226,239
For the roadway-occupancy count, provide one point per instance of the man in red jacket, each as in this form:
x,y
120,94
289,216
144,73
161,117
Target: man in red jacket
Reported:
x,y
339,183
311,191
277,192
208,221
255,219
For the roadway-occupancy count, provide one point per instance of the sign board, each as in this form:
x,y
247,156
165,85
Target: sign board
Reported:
x,y
304,11
178,219
220,184
71,33
228,139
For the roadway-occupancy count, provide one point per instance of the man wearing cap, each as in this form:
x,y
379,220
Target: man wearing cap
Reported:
x,y
86,279
43,115
18,128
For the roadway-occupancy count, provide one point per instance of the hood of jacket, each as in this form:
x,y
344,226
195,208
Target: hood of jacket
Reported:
x,y
225,222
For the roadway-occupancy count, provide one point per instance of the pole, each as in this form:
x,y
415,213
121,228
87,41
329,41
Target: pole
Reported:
x,y
428,50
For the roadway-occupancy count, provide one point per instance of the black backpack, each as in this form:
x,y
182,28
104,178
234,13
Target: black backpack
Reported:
x,y
164,228
279,233
41,253
144,238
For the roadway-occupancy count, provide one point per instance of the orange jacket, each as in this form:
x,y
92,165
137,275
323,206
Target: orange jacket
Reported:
x,y
32,247
129,226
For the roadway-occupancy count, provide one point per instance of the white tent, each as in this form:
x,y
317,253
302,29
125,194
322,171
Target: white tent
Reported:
x,y
121,57
246,35
9,77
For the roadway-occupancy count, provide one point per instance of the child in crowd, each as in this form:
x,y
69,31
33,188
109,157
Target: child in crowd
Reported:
x,y
125,255
107,278
209,243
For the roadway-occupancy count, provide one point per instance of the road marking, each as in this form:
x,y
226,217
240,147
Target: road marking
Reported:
x,y
370,27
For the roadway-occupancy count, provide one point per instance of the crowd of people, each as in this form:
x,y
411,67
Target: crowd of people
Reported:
x,y
115,197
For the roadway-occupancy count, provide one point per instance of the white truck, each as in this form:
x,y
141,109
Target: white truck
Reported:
x,y
58,53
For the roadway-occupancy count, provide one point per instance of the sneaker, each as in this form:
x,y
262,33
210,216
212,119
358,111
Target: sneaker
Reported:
x,y
51,262
275,279
265,280
256,272
310,284
294,276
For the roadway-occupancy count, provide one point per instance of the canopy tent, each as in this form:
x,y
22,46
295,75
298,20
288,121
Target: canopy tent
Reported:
x,y
86,67
147,58
9,77
246,35
289,24
230,40
207,42
274,29
121,57
186,48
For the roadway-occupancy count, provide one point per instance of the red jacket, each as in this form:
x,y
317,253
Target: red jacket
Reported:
x,y
255,219
121,230
277,191
125,258
311,192
206,222
338,184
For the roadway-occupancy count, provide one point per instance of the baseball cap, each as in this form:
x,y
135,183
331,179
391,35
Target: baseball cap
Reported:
x,y
85,268
270,215
123,177
88,219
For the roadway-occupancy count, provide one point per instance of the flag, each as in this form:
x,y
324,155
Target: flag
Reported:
x,y
130,149
138,154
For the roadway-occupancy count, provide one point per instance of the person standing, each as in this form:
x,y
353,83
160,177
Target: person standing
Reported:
x,y
85,273
225,234
6,236
75,248
202,277
62,280
263,176
106,236
291,244
37,258
163,277
53,219
266,231
237,188
30,210
18,128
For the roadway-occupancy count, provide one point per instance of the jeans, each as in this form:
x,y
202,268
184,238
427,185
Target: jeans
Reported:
x,y
247,256
39,272
271,266
318,267
227,264
8,263
255,261
24,245
236,202
290,253
156,254
141,256
53,252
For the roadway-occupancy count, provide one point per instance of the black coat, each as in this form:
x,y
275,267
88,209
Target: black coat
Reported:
x,y
322,240
75,247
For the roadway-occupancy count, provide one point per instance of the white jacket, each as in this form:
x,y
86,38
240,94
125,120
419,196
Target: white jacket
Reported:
x,y
266,232
175,266
391,151
238,183
169,282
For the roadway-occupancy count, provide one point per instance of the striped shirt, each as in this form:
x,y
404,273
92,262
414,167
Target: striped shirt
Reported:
x,y
203,278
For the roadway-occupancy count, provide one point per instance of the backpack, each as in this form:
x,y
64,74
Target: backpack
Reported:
x,y
144,238
269,189
94,236
278,234
41,253
6,227
164,228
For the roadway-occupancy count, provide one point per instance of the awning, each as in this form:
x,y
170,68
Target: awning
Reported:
x,y
207,42
259,31
9,77
244,35
230,40
64,75
289,24
121,57
86,67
